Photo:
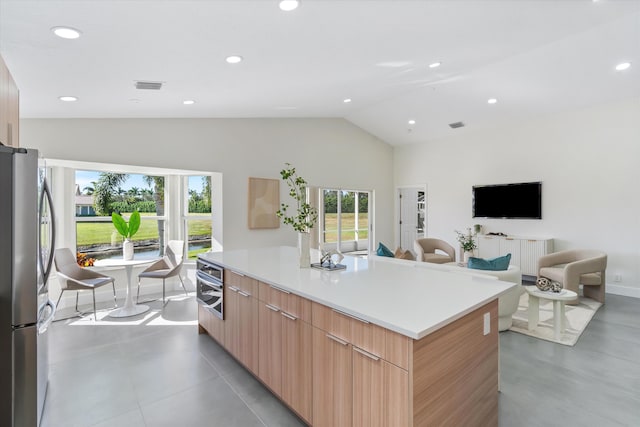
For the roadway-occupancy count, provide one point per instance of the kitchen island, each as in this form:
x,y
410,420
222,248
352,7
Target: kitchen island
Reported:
x,y
380,343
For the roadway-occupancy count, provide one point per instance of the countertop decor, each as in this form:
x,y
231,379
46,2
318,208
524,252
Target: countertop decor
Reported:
x,y
306,216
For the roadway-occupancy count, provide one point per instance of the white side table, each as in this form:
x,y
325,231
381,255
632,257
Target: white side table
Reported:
x,y
129,308
558,307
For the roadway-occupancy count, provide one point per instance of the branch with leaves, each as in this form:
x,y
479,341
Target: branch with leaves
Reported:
x,y
306,215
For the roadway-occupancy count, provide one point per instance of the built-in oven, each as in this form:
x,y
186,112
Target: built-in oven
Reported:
x,y
209,287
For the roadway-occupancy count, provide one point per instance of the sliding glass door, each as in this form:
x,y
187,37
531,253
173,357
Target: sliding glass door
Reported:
x,y
345,220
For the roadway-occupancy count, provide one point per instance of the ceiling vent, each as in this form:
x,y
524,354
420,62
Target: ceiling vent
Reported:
x,y
456,125
148,85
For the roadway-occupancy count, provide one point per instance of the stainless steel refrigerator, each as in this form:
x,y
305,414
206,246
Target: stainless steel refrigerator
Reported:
x,y
27,238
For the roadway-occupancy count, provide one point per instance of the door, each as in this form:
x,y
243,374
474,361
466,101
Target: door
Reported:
x,y
345,220
332,380
270,345
296,364
412,214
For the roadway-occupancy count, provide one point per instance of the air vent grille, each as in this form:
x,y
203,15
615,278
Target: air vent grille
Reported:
x,y
456,125
148,85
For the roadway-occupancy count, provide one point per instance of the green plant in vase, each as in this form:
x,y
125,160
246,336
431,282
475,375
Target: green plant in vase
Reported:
x,y
467,242
127,231
305,216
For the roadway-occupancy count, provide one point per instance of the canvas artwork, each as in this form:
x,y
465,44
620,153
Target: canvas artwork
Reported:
x,y
264,201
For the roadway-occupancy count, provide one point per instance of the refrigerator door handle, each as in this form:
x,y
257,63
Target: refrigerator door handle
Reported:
x,y
42,327
47,192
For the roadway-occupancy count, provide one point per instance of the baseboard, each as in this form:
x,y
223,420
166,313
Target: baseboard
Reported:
x,y
626,291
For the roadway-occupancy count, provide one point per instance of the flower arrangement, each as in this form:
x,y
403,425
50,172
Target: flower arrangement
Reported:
x,y
83,260
306,215
467,241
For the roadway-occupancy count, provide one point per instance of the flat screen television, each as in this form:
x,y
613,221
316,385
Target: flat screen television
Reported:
x,y
518,201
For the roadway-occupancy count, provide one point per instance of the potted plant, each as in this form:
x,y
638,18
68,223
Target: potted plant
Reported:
x,y
126,230
306,215
467,243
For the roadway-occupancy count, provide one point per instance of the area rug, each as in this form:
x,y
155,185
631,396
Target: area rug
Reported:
x,y
578,317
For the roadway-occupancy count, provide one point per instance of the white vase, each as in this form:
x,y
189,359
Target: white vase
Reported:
x,y
303,250
127,250
467,255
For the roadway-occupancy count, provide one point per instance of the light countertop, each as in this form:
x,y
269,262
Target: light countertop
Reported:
x,y
404,297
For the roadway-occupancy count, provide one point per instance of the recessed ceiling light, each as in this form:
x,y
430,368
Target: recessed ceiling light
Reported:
x,y
68,98
289,5
435,65
346,100
134,100
234,59
66,32
189,102
412,122
623,66
492,101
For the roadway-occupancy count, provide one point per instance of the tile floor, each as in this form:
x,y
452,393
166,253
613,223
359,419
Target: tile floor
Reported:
x,y
155,370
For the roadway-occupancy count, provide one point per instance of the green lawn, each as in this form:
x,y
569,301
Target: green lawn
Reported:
x,y
348,223
92,233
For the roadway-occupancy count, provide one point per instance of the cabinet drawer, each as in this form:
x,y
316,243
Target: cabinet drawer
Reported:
x,y
241,282
332,321
293,305
381,342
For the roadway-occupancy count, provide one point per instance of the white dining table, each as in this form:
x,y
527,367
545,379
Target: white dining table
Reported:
x,y
129,308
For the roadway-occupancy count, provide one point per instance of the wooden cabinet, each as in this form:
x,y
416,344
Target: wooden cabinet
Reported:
x,y
211,324
270,359
524,251
334,369
380,392
332,380
359,368
285,361
241,322
9,107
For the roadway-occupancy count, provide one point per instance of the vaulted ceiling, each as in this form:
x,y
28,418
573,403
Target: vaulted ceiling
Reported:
x,y
534,57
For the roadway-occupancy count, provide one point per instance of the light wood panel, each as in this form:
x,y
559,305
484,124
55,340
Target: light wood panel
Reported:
x,y
270,344
397,349
369,337
286,301
455,372
211,324
335,323
332,381
297,361
380,392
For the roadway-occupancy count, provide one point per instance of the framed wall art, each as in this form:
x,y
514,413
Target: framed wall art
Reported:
x,y
264,202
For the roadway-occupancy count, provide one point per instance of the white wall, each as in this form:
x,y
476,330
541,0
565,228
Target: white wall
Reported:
x,y
588,161
326,152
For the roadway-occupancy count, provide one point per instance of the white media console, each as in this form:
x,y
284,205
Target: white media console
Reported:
x,y
524,251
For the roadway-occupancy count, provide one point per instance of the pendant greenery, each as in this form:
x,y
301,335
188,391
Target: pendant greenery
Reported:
x,y
306,215
126,230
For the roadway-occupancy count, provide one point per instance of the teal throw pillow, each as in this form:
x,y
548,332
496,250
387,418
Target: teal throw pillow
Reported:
x,y
495,264
384,251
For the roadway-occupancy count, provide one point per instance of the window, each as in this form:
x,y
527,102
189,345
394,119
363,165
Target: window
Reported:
x,y
98,194
345,220
197,214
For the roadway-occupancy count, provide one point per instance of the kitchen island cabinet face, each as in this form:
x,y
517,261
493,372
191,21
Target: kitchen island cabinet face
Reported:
x,y
270,342
332,380
297,365
241,323
211,324
380,392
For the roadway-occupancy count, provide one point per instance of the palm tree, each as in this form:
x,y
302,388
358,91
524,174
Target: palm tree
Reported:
x,y
89,190
105,189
